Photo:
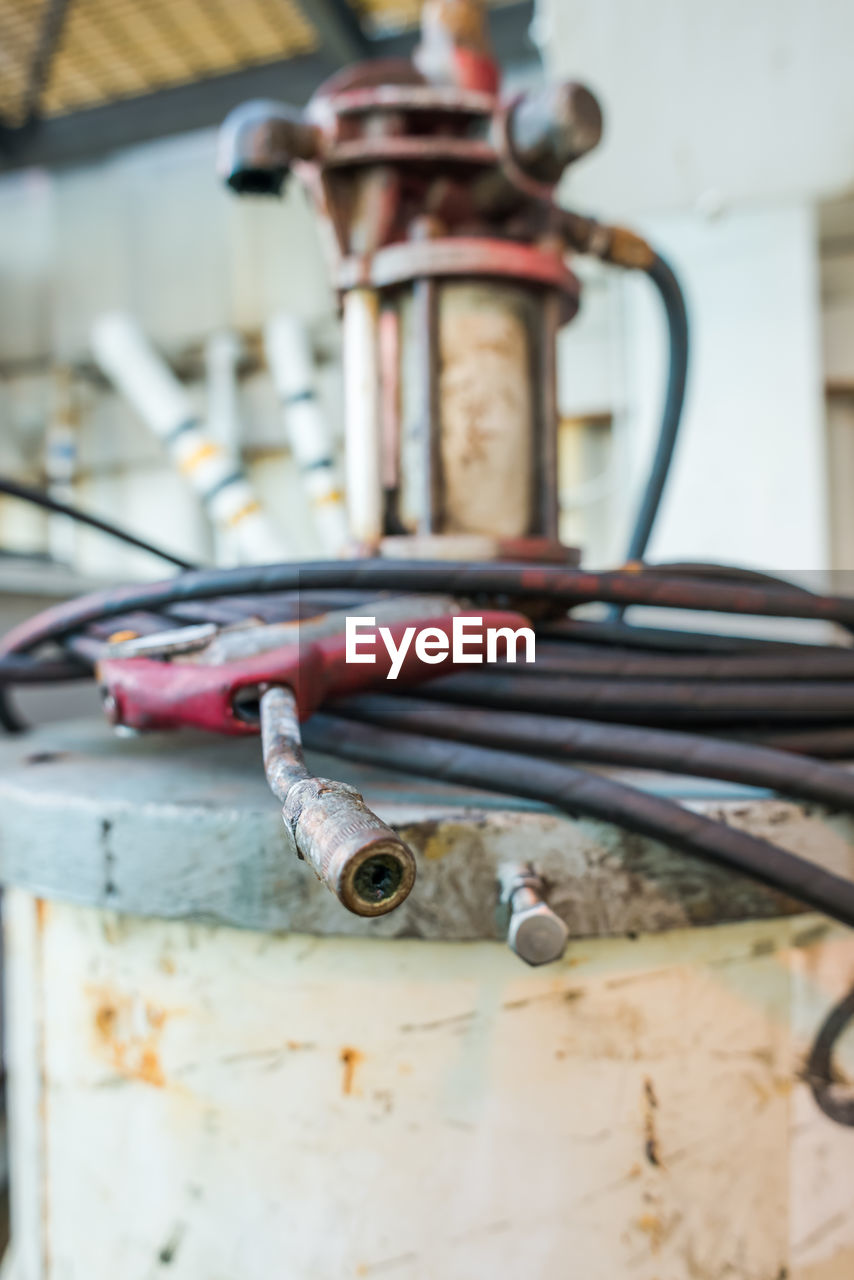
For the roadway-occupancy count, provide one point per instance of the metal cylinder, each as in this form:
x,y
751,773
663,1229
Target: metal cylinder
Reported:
x,y
481,438
362,414
642,1102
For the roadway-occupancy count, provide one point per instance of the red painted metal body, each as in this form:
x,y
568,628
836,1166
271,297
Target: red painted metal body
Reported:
x,y
144,693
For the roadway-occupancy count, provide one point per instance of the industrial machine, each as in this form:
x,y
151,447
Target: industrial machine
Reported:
x,y
221,1069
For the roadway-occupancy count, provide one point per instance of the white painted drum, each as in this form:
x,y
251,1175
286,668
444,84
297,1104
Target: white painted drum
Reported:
x,y
215,1104
281,1102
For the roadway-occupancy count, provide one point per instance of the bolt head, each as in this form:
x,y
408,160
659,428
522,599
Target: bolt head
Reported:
x,y
537,935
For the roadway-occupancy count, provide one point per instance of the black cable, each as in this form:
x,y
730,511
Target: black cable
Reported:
x,y
663,277
834,1098
719,573
10,721
693,755
606,632
21,670
830,742
558,657
548,583
577,792
655,702
12,489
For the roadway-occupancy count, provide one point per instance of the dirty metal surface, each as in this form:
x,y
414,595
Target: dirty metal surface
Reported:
x,y
487,417
199,1101
185,826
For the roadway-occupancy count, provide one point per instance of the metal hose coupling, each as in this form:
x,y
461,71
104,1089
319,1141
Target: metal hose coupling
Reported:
x,y
356,855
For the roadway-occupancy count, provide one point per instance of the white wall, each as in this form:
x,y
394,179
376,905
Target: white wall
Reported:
x,y
748,482
726,124
740,100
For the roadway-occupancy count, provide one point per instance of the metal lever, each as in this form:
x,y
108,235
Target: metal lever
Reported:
x,y
535,932
356,855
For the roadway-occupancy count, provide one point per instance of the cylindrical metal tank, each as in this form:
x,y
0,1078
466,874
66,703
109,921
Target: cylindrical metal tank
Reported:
x,y
216,1073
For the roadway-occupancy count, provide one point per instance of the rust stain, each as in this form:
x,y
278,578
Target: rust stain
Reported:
x,y
651,1225
156,1016
651,1145
42,913
434,840
105,1020
127,1035
350,1059
837,1267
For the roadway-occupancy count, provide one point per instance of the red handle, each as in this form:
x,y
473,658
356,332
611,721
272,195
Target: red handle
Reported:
x,y
143,693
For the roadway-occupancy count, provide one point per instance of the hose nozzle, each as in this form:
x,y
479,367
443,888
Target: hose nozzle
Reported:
x,y
356,855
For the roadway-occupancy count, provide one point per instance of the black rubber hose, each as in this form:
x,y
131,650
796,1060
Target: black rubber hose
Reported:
x,y
602,631
655,702
554,584
720,573
561,658
831,743
10,721
663,277
20,670
23,492
579,793
835,1098
609,744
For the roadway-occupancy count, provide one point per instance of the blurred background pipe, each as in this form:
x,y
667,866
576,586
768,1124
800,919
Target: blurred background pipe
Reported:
x,y
127,358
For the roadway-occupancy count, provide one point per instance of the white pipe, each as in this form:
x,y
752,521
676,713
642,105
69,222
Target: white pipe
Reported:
x,y
60,467
222,356
292,367
362,409
131,363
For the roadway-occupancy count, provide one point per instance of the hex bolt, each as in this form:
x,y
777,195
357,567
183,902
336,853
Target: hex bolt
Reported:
x,y
535,932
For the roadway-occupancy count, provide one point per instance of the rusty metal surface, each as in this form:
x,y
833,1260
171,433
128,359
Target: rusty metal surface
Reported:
x,y
381,150
430,98
185,827
351,851
487,425
420,151
466,257
187,1099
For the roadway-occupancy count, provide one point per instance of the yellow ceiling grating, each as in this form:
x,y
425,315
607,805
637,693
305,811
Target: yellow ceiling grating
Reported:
x,y
109,50
20,30
112,49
